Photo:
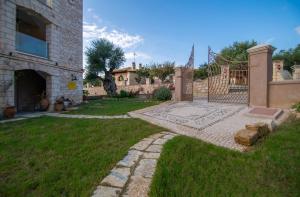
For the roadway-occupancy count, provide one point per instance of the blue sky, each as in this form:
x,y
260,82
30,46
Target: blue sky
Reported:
x,y
165,30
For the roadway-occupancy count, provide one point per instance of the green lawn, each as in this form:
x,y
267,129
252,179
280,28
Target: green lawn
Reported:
x,y
190,167
50,156
113,106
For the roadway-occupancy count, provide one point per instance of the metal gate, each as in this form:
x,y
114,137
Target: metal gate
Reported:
x,y
227,79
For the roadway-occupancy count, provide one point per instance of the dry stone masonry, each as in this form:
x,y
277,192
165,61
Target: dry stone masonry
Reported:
x,y
63,37
133,174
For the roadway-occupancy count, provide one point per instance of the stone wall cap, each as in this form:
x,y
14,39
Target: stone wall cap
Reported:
x,y
261,47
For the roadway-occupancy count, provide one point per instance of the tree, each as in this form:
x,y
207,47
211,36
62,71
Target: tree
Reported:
x,y
159,70
142,74
102,58
163,70
236,53
290,57
201,72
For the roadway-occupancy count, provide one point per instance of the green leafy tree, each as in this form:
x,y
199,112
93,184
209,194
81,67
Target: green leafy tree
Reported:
x,y
290,57
201,72
235,54
142,74
159,70
162,71
102,58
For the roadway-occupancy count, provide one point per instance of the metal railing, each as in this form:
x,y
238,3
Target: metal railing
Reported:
x,y
31,45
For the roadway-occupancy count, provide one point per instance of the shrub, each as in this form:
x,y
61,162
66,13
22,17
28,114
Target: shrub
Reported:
x,y
162,94
296,107
123,94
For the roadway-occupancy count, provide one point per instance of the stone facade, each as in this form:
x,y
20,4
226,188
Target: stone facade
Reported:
x,y
63,64
125,76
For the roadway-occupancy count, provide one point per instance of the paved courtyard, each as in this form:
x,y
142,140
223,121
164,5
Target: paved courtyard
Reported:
x,y
215,123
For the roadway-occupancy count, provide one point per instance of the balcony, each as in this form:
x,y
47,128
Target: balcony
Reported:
x,y
30,45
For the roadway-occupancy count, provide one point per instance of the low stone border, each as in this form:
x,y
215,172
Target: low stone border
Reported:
x,y
87,116
133,174
11,120
37,115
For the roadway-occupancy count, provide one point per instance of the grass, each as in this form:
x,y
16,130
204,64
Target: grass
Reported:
x,y
50,156
113,106
190,167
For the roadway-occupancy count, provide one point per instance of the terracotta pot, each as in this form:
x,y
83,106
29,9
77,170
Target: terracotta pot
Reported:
x,y
44,104
9,112
58,106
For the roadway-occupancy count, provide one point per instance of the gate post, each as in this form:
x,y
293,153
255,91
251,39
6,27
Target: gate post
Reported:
x,y
184,84
260,73
178,84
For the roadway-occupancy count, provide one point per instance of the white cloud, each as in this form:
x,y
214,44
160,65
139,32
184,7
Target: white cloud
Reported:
x,y
92,31
90,9
130,55
297,29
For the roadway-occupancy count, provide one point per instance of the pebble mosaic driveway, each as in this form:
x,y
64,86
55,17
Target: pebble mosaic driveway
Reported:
x,y
215,123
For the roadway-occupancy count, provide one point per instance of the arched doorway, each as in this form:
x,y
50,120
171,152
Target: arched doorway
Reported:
x,y
30,85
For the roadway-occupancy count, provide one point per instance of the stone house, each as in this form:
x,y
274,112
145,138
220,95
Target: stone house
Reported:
x,y
125,76
40,51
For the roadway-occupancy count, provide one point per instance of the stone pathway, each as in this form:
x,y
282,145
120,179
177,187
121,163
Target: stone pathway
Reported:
x,y
40,114
215,123
132,176
87,116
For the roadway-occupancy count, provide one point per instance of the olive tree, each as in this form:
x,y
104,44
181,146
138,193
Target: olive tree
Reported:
x,y
102,58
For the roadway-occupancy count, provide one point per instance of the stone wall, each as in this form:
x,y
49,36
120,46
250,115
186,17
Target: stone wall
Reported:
x,y
200,88
283,94
142,88
64,38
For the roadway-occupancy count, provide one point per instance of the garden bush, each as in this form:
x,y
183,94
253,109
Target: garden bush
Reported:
x,y
162,94
296,107
126,94
123,94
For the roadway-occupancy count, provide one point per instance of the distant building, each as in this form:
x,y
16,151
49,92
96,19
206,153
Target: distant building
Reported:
x,y
279,74
126,76
296,74
40,51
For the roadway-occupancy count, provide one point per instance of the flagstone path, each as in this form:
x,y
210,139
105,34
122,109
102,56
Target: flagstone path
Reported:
x,y
132,176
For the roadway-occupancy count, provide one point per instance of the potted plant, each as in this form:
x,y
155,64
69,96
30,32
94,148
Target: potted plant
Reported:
x,y
44,103
59,104
9,111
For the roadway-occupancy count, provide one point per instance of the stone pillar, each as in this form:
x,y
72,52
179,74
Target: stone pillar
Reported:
x,y
7,89
52,38
178,84
53,89
260,74
277,70
184,84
